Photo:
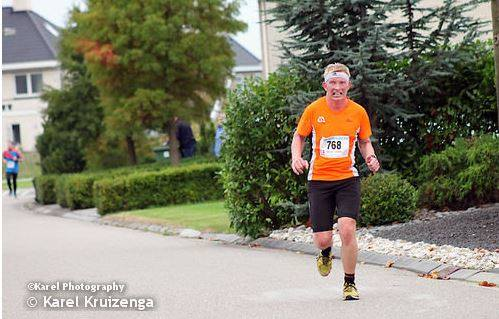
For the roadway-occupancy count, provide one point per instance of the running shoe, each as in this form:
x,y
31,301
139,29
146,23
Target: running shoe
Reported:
x,y
324,264
350,292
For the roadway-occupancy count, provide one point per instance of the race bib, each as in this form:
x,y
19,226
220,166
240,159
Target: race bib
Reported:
x,y
11,164
335,146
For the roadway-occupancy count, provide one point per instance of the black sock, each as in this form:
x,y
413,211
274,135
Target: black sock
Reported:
x,y
350,278
325,252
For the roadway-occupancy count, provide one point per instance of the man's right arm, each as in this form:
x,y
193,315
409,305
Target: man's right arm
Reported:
x,y
298,164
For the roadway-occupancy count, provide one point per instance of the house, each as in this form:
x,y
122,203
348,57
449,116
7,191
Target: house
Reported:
x,y
246,65
271,35
29,63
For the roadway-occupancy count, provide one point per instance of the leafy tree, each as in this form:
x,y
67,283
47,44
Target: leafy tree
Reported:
x,y
155,60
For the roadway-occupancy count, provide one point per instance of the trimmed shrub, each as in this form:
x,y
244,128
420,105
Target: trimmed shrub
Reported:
x,y
61,190
386,198
262,192
195,183
463,175
78,192
45,189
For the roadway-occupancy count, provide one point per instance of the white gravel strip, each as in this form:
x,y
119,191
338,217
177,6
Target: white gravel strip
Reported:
x,y
461,257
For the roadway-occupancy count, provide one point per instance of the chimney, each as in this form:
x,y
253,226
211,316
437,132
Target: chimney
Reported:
x,y
21,5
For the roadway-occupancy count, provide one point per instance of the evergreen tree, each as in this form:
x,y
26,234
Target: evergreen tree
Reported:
x,y
73,118
425,56
397,66
351,32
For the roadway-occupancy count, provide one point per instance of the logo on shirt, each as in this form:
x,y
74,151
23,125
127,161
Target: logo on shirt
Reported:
x,y
321,119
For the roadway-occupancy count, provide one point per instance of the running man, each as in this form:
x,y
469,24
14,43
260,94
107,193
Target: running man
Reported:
x,y
336,123
11,158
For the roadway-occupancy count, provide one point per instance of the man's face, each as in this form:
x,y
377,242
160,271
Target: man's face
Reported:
x,y
336,88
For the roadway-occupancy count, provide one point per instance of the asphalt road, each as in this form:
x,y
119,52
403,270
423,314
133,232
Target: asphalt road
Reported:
x,y
189,278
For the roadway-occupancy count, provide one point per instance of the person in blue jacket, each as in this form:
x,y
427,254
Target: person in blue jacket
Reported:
x,y
11,158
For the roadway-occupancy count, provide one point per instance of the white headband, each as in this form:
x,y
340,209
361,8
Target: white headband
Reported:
x,y
335,74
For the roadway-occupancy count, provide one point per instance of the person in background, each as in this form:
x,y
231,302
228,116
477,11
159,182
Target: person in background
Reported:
x,y
219,133
11,158
185,138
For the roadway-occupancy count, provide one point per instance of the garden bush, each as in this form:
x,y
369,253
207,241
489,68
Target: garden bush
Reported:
x,y
76,190
463,175
386,198
261,191
44,189
60,189
194,183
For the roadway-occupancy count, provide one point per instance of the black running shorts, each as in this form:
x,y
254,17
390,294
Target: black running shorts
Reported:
x,y
324,197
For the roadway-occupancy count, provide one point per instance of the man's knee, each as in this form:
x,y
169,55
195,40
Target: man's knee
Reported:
x,y
323,240
347,227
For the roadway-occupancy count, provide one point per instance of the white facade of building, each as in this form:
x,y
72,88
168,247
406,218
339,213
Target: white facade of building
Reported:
x,y
22,112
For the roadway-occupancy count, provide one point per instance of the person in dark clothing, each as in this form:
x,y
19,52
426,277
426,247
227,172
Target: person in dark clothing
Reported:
x,y
185,139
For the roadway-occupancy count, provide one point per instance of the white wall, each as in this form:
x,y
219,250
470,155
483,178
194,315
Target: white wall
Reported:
x,y
25,111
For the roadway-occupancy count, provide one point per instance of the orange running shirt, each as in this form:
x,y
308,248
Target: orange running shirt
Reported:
x,y
334,136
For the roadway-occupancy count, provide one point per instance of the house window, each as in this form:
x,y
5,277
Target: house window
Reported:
x,y
7,107
29,84
21,84
36,83
16,133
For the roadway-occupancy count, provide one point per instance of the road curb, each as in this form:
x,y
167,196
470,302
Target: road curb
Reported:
x,y
419,266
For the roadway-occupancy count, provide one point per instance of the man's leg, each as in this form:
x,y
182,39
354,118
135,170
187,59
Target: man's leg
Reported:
x,y
348,199
349,249
14,180
8,175
321,204
323,239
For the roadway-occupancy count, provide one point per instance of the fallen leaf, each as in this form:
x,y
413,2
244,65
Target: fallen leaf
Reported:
x,y
389,264
486,284
432,275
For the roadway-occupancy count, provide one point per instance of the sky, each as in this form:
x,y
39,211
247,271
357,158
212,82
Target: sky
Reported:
x,y
56,11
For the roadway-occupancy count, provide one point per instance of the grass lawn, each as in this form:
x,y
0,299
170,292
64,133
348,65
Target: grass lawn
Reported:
x,y
207,216
20,184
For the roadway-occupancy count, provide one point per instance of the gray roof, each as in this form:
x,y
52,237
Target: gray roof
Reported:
x,y
242,55
32,40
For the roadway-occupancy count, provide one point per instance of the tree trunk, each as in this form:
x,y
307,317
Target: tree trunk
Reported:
x,y
130,145
494,4
174,144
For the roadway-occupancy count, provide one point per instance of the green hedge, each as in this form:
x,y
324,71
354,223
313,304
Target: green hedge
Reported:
x,y
76,190
45,189
61,190
195,183
463,175
386,198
